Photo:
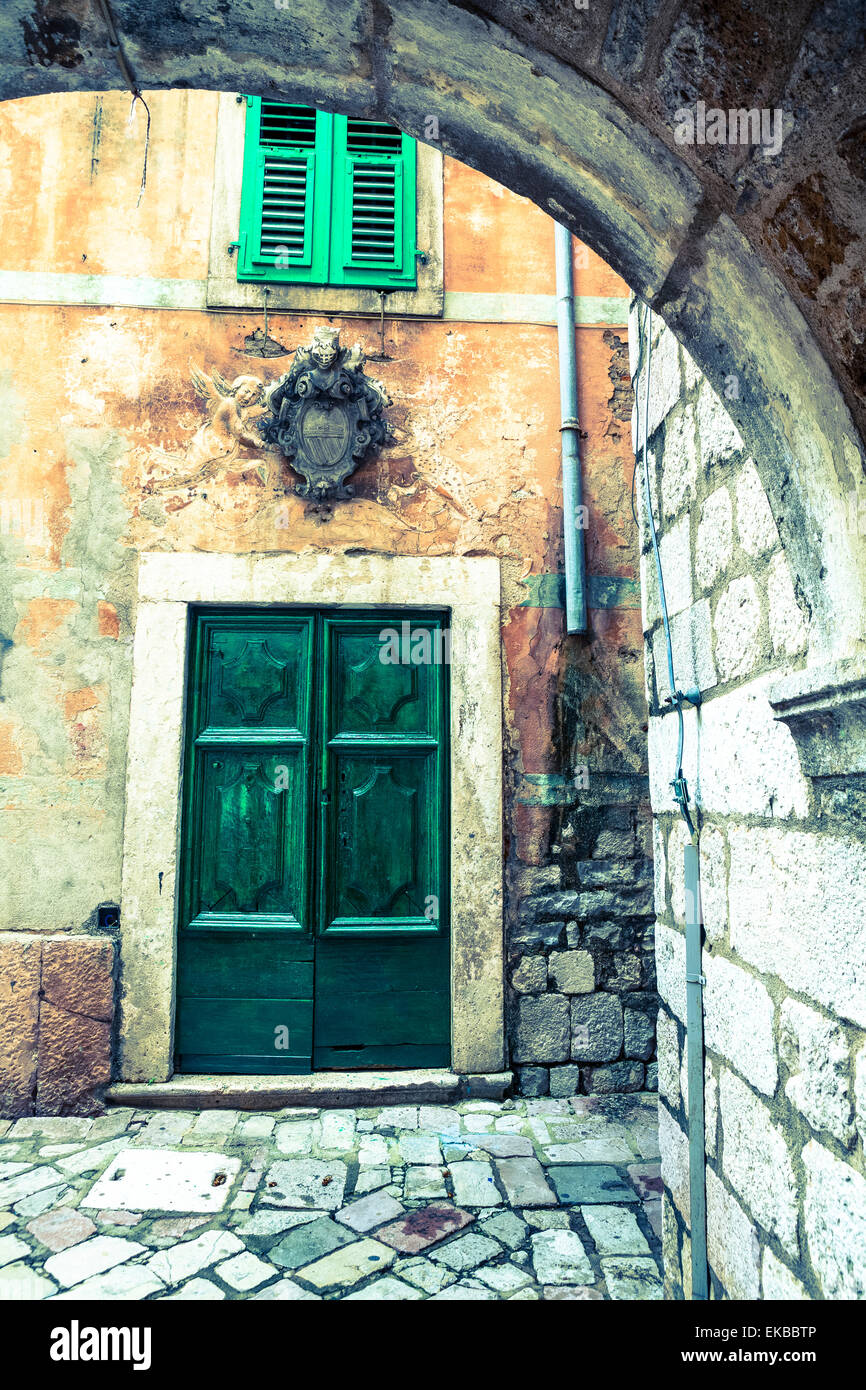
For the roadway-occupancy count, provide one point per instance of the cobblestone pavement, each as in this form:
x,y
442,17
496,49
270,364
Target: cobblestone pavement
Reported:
x,y
527,1199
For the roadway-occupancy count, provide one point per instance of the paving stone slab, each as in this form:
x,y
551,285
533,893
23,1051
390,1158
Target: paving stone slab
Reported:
x,y
11,1249
124,1282
387,1290
175,1228
305,1183
310,1242
461,1293
504,1278
189,1257
44,1200
424,1182
590,1182
615,1230
158,1180
245,1271
21,1284
349,1265
466,1251
197,1289
646,1178
525,1183
373,1151
295,1137
632,1279
11,1170
474,1184
419,1148
119,1218
60,1127
507,1227
61,1228
439,1120
369,1179
558,1257
425,1274
500,1145
165,1127
568,1291
548,1220
12,1190
285,1290
370,1212
398,1117
423,1228
90,1258
272,1223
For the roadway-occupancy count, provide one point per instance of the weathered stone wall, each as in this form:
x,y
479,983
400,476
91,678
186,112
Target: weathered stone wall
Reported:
x,y
783,873
99,464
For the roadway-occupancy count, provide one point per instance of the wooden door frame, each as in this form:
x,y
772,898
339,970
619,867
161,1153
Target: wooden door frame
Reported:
x,y
167,585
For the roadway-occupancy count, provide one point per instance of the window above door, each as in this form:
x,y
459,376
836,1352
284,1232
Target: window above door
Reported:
x,y
325,212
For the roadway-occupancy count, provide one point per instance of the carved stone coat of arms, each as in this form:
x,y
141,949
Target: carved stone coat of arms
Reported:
x,y
325,415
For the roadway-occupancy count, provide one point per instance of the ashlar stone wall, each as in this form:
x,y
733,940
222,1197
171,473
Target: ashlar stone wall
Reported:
x,y
775,766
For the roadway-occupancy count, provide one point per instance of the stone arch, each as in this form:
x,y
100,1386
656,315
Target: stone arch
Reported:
x,y
753,262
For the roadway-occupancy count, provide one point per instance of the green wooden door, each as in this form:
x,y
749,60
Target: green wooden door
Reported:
x,y
313,924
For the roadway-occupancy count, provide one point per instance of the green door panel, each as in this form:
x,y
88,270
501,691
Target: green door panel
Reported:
x,y
314,925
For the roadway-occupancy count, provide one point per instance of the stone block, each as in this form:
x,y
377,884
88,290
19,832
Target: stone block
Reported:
x,y
835,1221
756,1161
596,1028
571,972
558,1257
20,969
778,1283
671,969
595,1183
78,975
676,559
74,1060
798,910
737,627
860,1094
542,1033
715,538
733,1248
613,1079
755,524
788,630
156,1180
532,1081
669,1059
718,435
564,1081
675,1161
530,975
639,1034
680,469
634,1277
615,1230
738,1022
692,646
816,1050
714,884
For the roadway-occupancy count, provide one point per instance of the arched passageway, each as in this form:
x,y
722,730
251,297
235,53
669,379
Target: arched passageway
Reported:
x,y
752,253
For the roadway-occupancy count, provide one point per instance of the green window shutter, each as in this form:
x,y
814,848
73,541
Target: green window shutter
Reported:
x,y
373,217
285,194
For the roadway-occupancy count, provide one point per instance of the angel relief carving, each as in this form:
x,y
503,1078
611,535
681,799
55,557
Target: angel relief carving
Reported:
x,y
232,411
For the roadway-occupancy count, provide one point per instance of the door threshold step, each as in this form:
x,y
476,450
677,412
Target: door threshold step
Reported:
x,y
325,1089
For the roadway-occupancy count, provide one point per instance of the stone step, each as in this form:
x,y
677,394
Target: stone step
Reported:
x,y
423,1086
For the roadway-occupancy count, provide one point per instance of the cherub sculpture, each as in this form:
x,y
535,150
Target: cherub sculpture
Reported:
x,y
231,409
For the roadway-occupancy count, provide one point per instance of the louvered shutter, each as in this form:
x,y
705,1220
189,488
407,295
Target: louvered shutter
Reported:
x,y
373,219
286,193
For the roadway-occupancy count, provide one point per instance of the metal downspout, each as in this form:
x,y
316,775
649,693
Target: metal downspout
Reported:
x,y
575,553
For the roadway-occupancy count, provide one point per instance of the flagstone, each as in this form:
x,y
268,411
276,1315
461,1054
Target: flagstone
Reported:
x,y
123,1282
466,1251
310,1242
60,1127
60,1228
19,1284
503,1278
438,1119
305,1183
199,1289
337,1132
294,1137
633,1278
212,1124
474,1184
420,1148
524,1182
56,1150
271,1223
548,1220
424,1181
119,1218
43,1200
165,1127
398,1117
462,1293
387,1290
507,1227
91,1257
10,1170
157,1180
87,1159
188,1257
12,1190
559,1292
559,1257
11,1248
370,1211
174,1228
286,1290
425,1274
373,1150
615,1230
349,1265
110,1125
424,1227
253,1128
500,1145
245,1271
590,1182
369,1179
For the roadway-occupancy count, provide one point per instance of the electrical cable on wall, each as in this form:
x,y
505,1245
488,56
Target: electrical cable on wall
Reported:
x,y
129,79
